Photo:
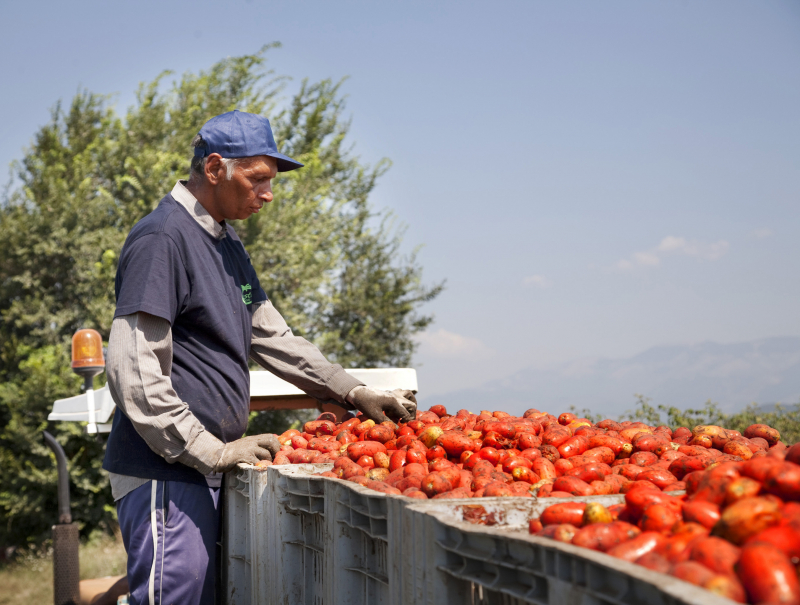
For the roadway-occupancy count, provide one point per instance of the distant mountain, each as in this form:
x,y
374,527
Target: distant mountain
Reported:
x,y
764,371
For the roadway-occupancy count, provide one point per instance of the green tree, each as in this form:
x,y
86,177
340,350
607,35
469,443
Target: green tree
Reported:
x,y
328,261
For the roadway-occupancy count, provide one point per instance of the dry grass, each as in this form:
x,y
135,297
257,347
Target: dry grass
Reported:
x,y
29,581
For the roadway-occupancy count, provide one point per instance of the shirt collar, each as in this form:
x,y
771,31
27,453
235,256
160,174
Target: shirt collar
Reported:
x,y
185,198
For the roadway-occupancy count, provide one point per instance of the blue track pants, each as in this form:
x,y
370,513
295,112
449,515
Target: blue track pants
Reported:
x,y
170,531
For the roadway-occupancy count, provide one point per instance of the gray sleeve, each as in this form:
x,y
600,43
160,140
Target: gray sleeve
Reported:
x,y
139,368
296,360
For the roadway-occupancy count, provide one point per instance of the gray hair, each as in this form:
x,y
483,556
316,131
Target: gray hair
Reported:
x,y
198,165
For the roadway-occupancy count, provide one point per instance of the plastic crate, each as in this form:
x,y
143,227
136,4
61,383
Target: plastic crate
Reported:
x,y
274,535
293,537
448,560
370,549
242,492
360,523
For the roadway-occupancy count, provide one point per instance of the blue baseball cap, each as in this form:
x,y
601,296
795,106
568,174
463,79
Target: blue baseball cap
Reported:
x,y
237,134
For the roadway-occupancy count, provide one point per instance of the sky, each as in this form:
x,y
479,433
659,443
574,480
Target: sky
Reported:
x,y
591,179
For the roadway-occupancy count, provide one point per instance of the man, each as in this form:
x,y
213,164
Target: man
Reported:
x,y
190,312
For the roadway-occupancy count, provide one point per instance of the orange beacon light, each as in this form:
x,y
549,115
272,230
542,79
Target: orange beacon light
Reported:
x,y
87,353
88,361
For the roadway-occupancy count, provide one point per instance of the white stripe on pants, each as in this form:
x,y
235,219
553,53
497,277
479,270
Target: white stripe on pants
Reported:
x,y
154,529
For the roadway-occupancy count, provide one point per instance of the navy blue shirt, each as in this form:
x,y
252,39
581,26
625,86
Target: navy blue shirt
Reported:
x,y
172,268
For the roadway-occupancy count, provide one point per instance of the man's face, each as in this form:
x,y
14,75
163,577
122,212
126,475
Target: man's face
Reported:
x,y
248,190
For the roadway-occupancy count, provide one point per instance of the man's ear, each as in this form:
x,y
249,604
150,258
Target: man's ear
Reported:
x,y
214,170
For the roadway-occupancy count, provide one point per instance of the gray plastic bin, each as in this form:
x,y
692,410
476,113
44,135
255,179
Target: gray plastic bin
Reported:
x,y
360,522
292,537
455,562
274,535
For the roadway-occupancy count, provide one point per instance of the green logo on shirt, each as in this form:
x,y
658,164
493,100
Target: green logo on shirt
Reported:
x,y
247,294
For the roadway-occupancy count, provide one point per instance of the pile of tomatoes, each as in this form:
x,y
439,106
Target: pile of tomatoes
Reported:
x,y
438,455
735,532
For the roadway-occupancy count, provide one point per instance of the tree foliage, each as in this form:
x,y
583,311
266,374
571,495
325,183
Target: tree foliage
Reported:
x,y
328,262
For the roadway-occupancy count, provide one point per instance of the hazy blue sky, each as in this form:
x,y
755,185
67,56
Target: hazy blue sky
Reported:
x,y
592,178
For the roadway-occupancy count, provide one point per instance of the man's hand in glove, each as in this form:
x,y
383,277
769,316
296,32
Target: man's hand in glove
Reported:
x,y
248,450
377,405
409,401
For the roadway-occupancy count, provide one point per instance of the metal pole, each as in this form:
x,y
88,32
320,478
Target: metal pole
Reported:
x,y
64,514
66,564
88,383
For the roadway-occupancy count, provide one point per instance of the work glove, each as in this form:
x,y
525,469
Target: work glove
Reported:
x,y
248,450
399,405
